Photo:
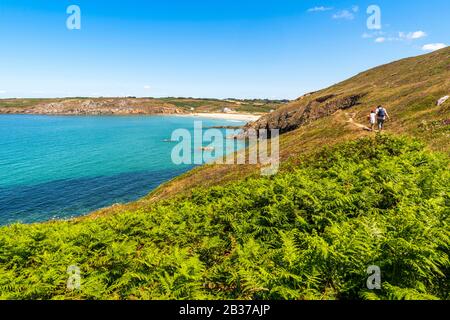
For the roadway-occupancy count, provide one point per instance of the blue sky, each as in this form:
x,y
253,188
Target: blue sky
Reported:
x,y
210,48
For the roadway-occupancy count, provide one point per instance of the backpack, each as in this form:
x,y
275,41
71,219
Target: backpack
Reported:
x,y
381,113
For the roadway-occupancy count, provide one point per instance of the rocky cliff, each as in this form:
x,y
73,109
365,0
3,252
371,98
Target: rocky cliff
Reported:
x,y
302,112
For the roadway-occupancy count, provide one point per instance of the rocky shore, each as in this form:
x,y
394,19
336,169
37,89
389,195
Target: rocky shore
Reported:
x,y
111,106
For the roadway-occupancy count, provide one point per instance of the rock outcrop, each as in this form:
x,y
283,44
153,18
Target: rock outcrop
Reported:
x,y
303,111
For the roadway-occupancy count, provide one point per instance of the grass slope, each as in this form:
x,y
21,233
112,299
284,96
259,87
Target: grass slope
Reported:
x,y
309,232
408,88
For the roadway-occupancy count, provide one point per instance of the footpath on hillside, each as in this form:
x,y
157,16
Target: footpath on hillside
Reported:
x,y
352,121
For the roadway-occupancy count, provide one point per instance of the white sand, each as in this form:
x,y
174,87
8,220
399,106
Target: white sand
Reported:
x,y
228,116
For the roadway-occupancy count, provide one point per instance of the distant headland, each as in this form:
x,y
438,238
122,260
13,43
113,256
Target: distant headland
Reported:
x,y
232,108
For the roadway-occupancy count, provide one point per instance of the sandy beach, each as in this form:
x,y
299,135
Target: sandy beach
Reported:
x,y
228,116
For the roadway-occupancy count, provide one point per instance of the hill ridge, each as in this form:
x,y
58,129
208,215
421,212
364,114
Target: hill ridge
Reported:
x,y
430,73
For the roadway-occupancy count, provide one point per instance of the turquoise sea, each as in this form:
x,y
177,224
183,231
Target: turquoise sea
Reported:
x,y
57,167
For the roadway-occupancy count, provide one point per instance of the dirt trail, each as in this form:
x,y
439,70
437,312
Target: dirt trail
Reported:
x,y
356,124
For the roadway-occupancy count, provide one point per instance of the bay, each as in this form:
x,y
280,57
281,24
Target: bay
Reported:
x,y
57,167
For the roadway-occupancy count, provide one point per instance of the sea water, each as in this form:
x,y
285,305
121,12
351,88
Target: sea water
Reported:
x,y
57,167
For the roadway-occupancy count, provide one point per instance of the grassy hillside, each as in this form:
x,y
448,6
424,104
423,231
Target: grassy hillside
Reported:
x,y
408,88
310,232
307,233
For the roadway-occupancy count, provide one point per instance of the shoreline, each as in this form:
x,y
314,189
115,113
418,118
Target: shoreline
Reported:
x,y
238,117
246,117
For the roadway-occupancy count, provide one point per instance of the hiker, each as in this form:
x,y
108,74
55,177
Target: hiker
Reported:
x,y
382,115
372,119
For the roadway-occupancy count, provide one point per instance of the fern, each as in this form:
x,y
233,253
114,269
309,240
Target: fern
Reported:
x,y
308,233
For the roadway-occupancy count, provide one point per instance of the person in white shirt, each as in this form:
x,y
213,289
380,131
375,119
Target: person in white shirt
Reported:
x,y
372,119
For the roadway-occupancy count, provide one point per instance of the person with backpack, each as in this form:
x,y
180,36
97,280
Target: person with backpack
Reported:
x,y
382,115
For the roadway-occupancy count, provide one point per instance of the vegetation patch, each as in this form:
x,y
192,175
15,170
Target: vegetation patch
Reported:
x,y
309,233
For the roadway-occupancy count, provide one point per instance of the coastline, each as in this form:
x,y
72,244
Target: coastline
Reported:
x,y
238,117
248,117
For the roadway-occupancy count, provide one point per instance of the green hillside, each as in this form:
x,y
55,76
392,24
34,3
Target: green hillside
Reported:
x,y
408,88
344,199
307,233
